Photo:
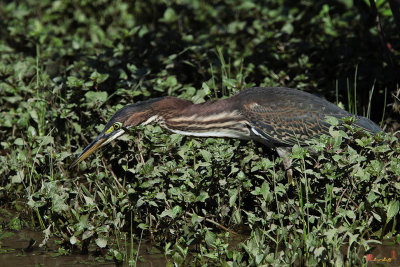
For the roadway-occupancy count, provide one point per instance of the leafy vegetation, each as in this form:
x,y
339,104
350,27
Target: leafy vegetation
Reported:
x,y
67,66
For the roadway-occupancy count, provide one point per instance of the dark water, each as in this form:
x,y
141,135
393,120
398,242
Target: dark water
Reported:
x,y
13,254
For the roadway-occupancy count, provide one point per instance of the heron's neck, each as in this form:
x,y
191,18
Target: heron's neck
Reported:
x,y
214,119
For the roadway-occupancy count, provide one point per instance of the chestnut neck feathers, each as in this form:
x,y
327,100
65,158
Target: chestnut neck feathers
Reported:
x,y
277,117
218,119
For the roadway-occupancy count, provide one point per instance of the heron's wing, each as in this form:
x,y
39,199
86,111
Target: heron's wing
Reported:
x,y
283,125
285,117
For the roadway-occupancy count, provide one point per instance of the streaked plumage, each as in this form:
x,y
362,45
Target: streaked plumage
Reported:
x,y
276,117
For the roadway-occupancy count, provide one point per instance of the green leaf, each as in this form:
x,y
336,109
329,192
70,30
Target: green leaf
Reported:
x,y
233,195
247,5
98,77
73,81
18,178
210,238
347,3
267,164
265,190
171,213
83,222
169,15
202,196
88,200
319,252
101,242
12,99
143,226
15,224
34,115
117,255
350,214
332,120
196,219
96,97
161,195
393,209
46,140
176,211
287,28
87,234
372,197
206,155
59,204
377,216
298,152
19,142
73,240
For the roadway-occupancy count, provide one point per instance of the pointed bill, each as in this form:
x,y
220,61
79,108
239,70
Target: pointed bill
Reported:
x,y
100,141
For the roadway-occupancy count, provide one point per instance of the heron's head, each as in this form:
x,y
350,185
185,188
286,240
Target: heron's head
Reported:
x,y
120,122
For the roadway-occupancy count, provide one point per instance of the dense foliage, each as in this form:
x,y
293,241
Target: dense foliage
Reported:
x,y
67,66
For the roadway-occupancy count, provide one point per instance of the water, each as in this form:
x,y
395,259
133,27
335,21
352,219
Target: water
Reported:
x,y
14,253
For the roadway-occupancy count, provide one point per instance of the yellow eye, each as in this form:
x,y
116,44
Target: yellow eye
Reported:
x,y
114,127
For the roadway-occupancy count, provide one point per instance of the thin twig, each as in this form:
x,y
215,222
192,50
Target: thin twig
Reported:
x,y
215,223
354,203
140,149
340,199
114,176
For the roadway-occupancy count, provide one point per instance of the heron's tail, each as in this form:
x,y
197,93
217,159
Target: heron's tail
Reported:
x,y
368,125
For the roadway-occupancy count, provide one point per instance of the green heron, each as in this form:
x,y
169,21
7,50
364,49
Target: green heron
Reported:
x,y
276,117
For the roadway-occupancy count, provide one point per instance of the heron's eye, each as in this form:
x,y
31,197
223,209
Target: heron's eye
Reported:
x,y
116,126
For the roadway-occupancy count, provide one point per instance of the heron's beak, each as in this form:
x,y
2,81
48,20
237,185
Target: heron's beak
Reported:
x,y
101,140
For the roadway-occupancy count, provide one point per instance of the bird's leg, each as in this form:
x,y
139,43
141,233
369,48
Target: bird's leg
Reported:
x,y
284,152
